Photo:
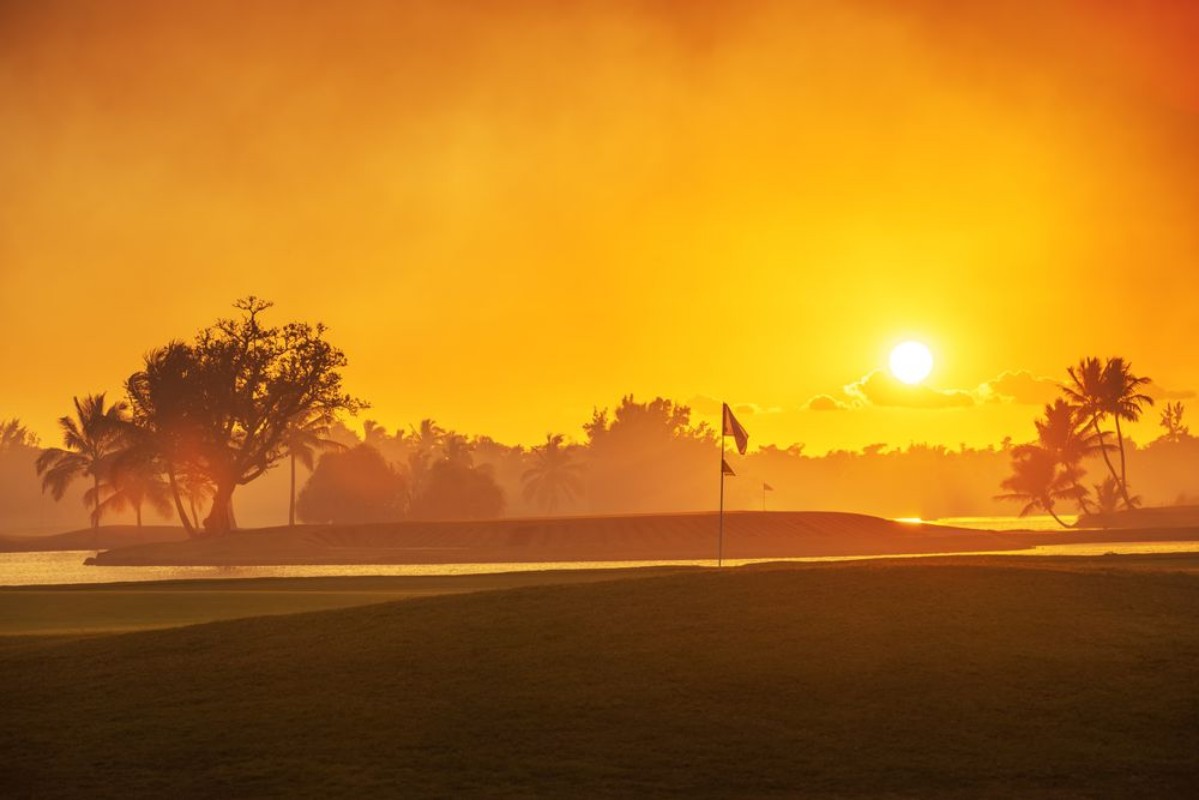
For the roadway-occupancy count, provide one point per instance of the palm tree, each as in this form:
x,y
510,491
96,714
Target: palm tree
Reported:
x,y
90,439
133,481
1123,400
1064,436
554,474
424,441
1037,481
194,486
163,427
301,441
1171,421
1107,496
1099,389
1086,392
13,435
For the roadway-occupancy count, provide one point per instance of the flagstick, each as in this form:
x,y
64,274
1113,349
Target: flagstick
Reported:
x,y
720,541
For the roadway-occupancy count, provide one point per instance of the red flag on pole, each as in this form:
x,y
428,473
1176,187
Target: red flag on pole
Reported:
x,y
731,427
726,469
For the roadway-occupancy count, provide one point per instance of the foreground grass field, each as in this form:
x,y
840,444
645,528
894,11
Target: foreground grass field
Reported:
x,y
998,678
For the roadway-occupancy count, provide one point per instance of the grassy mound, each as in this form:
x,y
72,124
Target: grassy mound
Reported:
x,y
899,679
647,537
89,539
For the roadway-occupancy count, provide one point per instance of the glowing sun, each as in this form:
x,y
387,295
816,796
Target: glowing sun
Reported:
x,y
911,362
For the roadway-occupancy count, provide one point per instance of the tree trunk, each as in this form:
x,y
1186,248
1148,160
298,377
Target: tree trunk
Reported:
x,y
220,517
1056,517
187,524
195,514
1123,478
1103,450
291,510
96,505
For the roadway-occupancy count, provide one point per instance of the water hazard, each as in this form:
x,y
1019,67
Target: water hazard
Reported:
x,y
67,567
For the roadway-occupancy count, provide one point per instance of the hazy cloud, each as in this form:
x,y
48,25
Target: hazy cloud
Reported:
x,y
1162,393
880,388
702,404
1019,387
824,402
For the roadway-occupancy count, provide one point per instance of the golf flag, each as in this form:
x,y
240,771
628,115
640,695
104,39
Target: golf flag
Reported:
x,y
731,427
766,487
726,469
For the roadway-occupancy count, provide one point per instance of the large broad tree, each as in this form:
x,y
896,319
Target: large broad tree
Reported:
x,y
224,404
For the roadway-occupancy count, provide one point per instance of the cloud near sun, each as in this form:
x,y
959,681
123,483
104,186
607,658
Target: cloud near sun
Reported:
x,y
879,388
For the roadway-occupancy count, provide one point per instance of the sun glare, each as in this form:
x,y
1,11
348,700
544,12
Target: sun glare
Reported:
x,y
911,362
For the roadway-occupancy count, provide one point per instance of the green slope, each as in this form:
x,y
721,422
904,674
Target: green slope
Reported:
x,y
898,679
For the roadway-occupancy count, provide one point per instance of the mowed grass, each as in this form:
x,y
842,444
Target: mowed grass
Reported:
x,y
995,679
33,611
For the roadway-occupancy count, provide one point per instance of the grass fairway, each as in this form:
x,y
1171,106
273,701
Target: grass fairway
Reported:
x,y
993,678
89,609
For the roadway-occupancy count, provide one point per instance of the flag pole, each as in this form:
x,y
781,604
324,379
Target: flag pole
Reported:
x,y
720,540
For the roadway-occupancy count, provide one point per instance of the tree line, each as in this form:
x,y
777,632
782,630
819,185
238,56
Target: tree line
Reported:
x,y
204,417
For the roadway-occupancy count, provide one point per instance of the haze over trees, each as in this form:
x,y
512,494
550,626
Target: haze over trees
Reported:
x,y
555,477
195,431
355,485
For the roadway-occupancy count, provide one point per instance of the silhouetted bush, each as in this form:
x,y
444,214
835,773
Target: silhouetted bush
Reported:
x,y
356,485
454,489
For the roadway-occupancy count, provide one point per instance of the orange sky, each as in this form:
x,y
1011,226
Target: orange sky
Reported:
x,y
510,212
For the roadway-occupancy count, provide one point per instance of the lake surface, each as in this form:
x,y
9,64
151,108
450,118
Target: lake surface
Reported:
x,y
67,567
1030,523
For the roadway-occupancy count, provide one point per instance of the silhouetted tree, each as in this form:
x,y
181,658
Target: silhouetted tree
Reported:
x,y
194,487
14,434
133,481
225,402
1171,421
1038,482
1098,390
1066,438
1107,495
423,445
166,424
353,486
648,457
1124,400
90,439
303,438
454,488
554,475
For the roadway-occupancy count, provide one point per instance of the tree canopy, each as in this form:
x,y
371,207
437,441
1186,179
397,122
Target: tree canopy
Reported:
x,y
224,405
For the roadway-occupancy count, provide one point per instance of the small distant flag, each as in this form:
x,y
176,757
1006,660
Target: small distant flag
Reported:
x,y
766,487
726,469
731,427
